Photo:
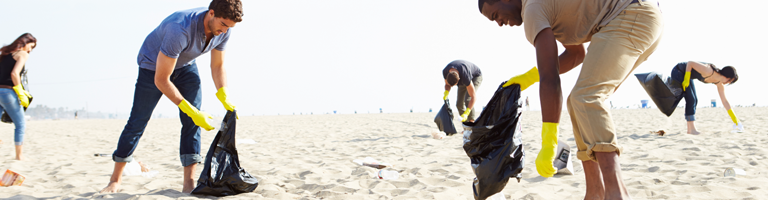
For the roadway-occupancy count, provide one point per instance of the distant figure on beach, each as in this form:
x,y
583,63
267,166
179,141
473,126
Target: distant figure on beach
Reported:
x,y
167,67
685,72
527,106
75,114
467,77
622,34
13,96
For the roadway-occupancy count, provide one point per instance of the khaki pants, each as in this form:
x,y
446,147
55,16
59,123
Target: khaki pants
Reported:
x,y
462,99
615,51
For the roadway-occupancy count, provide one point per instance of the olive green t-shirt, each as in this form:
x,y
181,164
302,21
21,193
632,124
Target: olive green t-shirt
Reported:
x,y
572,21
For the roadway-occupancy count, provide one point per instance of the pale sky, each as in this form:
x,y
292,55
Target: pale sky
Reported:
x,y
319,56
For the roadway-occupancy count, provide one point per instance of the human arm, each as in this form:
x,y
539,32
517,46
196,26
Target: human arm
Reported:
x,y
471,104
163,70
726,105
220,78
572,56
21,59
551,98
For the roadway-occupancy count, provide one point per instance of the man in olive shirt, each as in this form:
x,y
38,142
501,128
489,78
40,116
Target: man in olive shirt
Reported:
x,y
622,34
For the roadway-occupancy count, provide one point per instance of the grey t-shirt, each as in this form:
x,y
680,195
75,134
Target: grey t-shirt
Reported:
x,y
467,71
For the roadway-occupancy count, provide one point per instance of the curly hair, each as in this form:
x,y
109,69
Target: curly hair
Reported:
x,y
227,9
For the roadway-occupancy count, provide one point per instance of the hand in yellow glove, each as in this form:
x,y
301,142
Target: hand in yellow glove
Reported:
x,y
465,114
733,116
548,147
23,95
686,80
525,80
199,117
222,95
445,94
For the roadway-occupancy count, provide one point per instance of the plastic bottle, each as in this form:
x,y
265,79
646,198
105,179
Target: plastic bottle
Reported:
x,y
388,175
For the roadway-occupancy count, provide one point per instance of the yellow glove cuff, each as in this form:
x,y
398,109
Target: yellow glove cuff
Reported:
x,y
465,114
445,94
187,108
549,134
733,116
686,80
19,89
525,80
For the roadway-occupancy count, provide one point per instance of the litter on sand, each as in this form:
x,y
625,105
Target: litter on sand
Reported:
x,y
370,162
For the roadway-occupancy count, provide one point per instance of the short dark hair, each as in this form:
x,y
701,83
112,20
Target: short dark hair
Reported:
x,y
227,9
453,78
481,2
729,72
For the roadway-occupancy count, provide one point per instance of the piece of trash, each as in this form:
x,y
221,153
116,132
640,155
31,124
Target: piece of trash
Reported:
x,y
102,155
246,141
438,135
738,128
370,162
563,162
659,132
497,196
388,175
135,168
733,172
11,178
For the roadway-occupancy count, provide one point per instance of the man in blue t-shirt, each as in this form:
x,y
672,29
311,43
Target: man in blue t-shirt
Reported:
x,y
467,77
167,67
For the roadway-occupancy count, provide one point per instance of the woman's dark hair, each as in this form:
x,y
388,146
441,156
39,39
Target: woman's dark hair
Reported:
x,y
227,9
17,44
729,72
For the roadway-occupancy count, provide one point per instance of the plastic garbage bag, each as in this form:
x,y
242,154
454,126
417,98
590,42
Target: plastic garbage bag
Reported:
x,y
444,119
494,143
222,174
665,92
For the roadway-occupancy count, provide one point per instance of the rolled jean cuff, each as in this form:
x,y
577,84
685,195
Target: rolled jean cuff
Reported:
x,y
589,154
120,159
189,159
18,143
690,118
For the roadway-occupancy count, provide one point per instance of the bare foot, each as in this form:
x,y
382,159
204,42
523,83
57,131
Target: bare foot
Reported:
x,y
144,167
694,132
113,187
189,185
19,158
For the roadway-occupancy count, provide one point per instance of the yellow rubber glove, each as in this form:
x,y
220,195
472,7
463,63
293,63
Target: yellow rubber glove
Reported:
x,y
525,80
733,116
199,117
465,114
222,95
686,80
23,95
445,94
548,147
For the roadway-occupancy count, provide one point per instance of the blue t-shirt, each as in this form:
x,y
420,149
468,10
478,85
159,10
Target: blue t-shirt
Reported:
x,y
181,36
467,71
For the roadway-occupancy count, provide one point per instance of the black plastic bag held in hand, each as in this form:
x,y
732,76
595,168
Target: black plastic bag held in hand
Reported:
x,y
222,174
444,119
494,143
666,94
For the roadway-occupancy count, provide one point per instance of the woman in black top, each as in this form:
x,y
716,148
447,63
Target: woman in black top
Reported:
x,y
13,97
684,72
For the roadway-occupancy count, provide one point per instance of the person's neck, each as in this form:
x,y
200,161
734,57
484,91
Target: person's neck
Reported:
x,y
208,32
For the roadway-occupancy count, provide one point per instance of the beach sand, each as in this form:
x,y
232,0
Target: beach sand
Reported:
x,y
310,157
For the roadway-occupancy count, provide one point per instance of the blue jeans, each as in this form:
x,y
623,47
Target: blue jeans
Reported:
x,y
689,95
145,98
9,102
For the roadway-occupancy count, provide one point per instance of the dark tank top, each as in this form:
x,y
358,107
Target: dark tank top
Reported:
x,y
695,74
6,66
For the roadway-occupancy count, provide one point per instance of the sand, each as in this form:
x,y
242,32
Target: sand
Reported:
x,y
310,157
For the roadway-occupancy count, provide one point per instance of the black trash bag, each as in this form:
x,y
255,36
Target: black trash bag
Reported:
x,y
222,174
444,119
494,143
666,93
7,119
